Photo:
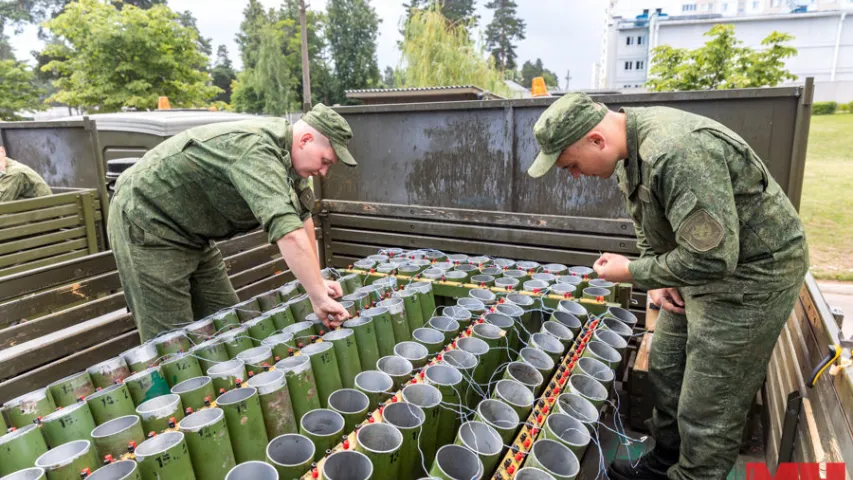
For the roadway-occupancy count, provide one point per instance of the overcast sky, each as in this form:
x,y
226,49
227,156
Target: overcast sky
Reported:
x,y
565,34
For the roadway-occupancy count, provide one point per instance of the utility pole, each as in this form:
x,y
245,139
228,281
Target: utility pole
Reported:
x,y
306,75
568,79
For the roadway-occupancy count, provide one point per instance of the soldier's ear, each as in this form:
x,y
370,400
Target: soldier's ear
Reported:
x,y
305,139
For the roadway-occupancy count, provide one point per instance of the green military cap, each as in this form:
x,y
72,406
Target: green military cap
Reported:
x,y
335,128
565,122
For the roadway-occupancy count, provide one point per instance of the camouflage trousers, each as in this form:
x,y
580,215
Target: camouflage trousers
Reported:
x,y
166,285
706,368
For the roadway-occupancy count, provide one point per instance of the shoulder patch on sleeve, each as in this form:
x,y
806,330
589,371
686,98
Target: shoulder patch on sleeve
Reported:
x,y
306,198
701,231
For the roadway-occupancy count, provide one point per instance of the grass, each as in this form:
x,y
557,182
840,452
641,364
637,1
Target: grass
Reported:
x,y
826,207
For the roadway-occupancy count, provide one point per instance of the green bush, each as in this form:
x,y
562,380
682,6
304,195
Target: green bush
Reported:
x,y
850,107
824,108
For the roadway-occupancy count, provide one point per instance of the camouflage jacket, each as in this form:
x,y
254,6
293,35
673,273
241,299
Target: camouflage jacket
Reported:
x,y
19,182
215,181
707,214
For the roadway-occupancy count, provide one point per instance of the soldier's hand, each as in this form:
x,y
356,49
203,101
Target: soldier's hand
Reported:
x,y
333,289
331,312
613,268
668,299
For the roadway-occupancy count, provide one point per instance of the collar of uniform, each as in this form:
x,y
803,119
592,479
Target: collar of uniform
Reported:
x,y
631,180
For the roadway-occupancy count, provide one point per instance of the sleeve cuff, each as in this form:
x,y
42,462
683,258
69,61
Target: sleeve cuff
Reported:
x,y
643,273
282,225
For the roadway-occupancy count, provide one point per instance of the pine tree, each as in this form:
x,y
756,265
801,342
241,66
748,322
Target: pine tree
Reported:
x,y
249,36
455,11
501,34
531,70
223,74
352,31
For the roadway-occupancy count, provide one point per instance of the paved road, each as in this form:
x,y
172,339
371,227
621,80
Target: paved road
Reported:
x,y
840,295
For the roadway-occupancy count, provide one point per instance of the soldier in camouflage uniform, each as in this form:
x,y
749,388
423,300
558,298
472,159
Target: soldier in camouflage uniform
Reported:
x,y
210,183
18,181
722,250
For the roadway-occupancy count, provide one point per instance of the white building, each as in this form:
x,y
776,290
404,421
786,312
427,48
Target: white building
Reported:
x,y
822,30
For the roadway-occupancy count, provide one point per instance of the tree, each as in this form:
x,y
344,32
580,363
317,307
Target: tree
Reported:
x,y
323,85
531,70
435,54
457,12
108,58
35,12
389,78
351,34
188,20
721,63
504,29
6,50
249,36
17,90
223,74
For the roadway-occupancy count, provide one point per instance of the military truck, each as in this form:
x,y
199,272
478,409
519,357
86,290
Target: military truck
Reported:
x,y
448,176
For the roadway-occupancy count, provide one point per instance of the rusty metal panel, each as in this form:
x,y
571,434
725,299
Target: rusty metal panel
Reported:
x,y
475,154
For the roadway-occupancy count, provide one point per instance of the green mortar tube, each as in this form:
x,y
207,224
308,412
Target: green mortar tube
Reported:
x,y
257,360
398,368
210,353
33,473
261,327
120,470
540,360
454,462
225,318
324,428
387,285
200,330
529,318
227,375
376,385
236,340
245,421
475,307
288,291
160,413
303,333
112,402
412,304
567,430
301,384
269,300
319,328
23,410
282,345
466,363
172,342
428,399
448,380
300,307
374,293
381,443
178,367
425,296
349,306
554,458
384,329
67,461
324,364
430,338
508,325
118,436
347,464
247,310
346,353
499,416
147,384
68,390
165,456
479,349
548,344
140,358
20,448
399,322
588,388
495,338
446,325
578,408
360,300
353,282
559,331
352,404
408,419
462,315
516,395
195,393
281,317
108,372
365,338
575,308
525,374
568,320
414,352
483,440
291,455
363,265
70,423
276,405
209,443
